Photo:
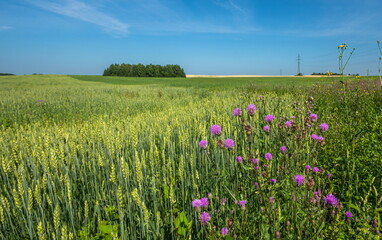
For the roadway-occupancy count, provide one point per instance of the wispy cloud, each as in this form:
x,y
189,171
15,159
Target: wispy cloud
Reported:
x,y
231,6
5,28
364,25
359,24
84,12
202,27
185,27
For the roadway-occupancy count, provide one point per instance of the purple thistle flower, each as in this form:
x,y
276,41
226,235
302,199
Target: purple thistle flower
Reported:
x,y
239,159
273,180
314,137
289,124
316,170
255,161
313,117
299,179
307,167
268,156
266,128
330,199
204,202
229,143
251,109
196,203
236,112
224,231
320,139
216,130
348,214
324,127
272,199
242,204
283,149
203,144
317,138
329,175
269,118
204,218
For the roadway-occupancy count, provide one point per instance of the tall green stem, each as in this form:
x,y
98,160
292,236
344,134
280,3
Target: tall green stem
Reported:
x,y
379,62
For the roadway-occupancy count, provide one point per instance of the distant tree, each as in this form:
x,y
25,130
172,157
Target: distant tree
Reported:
x,y
6,74
140,70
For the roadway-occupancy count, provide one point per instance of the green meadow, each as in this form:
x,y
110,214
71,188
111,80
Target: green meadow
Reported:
x,y
93,157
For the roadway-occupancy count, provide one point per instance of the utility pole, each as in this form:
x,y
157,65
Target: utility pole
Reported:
x,y
298,64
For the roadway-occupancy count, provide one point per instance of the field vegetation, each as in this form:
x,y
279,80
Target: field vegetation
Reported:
x,y
93,157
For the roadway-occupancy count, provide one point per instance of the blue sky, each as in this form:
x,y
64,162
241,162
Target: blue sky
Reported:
x,y
203,36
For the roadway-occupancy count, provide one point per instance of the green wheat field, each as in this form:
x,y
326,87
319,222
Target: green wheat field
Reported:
x,y
93,157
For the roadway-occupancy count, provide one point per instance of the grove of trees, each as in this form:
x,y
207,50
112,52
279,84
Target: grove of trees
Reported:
x,y
140,70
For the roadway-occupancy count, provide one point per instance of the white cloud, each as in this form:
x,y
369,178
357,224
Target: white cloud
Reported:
x,y
84,12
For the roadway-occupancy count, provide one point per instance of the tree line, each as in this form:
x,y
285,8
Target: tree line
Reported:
x,y
140,70
332,73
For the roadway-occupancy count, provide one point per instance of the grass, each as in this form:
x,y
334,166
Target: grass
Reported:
x,y
91,157
219,83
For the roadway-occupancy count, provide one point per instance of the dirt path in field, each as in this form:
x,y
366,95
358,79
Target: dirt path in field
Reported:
x,y
223,76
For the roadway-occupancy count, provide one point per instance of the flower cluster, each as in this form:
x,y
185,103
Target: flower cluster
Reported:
x,y
251,109
268,156
203,144
324,127
239,159
268,176
204,218
283,149
313,117
216,130
269,118
289,124
197,203
299,179
236,112
330,199
229,143
317,138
